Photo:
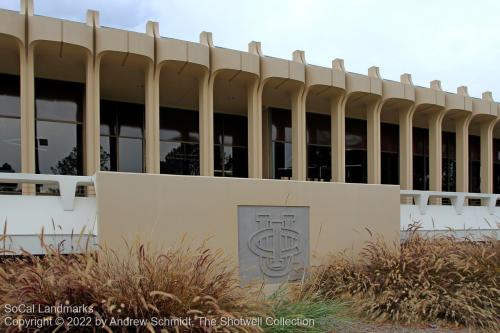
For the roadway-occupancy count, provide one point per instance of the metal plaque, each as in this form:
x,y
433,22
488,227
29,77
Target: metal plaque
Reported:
x,y
273,243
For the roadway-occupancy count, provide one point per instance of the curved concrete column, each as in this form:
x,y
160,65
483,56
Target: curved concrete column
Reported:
x,y
254,113
206,111
462,152
299,144
92,147
373,111
337,112
152,118
486,130
406,147
152,104
435,150
28,116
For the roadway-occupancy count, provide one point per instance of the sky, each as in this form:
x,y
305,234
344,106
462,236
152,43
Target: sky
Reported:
x,y
455,41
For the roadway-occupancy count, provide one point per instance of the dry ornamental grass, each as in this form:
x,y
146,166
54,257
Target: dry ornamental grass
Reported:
x,y
423,280
177,283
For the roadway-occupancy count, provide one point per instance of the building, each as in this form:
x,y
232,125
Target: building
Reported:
x,y
79,98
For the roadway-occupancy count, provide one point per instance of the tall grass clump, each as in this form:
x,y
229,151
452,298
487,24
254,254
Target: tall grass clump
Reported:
x,y
319,314
176,283
435,280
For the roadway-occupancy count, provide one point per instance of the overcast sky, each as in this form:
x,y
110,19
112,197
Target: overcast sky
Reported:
x,y
455,41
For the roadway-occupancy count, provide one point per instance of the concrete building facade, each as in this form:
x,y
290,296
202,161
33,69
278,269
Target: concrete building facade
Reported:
x,y
80,98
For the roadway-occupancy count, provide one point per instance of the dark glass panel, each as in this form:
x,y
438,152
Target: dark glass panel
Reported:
x,y
130,155
192,159
58,148
474,148
235,130
474,164
179,125
420,141
318,129
108,118
107,154
389,142
281,125
420,159
449,162
496,178
230,137
227,159
496,165
282,166
10,145
171,158
356,170
10,150
390,153
356,154
355,134
10,106
218,167
59,100
179,158
240,162
496,150
420,172
9,96
390,168
218,129
130,120
319,161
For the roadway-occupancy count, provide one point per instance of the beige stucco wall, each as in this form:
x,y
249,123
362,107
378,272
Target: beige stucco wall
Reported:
x,y
162,209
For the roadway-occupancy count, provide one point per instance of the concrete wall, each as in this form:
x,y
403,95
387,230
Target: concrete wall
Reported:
x,y
162,209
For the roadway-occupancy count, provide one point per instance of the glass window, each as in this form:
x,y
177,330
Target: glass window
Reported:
x,y
319,158
356,151
58,148
281,143
390,153
179,142
449,162
122,136
10,129
496,165
474,164
58,140
230,149
420,159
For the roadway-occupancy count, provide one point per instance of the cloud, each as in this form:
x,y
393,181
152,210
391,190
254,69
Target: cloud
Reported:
x,y
456,42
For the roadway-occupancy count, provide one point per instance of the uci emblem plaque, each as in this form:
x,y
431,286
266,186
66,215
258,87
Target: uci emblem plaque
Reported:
x,y
273,243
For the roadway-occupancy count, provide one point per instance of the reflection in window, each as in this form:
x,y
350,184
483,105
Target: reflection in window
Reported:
x,y
10,129
122,136
356,152
179,142
449,164
474,164
420,159
389,145
281,143
496,165
230,145
319,158
58,132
